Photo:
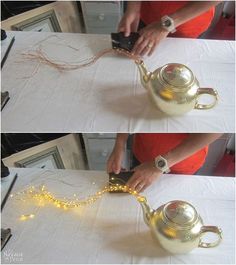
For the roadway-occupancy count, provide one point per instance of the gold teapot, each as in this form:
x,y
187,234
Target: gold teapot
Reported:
x,y
178,227
174,89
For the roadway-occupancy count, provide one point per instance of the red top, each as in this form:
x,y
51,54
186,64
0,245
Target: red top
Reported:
x,y
147,146
152,11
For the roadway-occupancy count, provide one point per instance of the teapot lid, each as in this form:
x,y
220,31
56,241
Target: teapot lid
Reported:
x,y
180,213
177,75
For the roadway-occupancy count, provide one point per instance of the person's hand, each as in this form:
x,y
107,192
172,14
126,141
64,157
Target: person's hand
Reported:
x,y
150,37
115,160
129,23
144,175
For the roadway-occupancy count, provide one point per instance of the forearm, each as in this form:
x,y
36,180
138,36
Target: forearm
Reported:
x,y
192,10
133,6
189,146
121,140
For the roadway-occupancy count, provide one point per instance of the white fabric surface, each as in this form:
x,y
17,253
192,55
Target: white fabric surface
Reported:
x,y
112,230
108,95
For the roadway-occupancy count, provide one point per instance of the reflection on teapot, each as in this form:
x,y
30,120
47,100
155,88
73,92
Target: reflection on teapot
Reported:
x,y
174,89
177,226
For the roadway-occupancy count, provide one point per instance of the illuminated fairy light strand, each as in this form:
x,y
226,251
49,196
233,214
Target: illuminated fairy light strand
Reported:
x,y
25,217
43,196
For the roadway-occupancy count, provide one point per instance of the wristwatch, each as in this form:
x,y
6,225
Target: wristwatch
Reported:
x,y
168,24
162,164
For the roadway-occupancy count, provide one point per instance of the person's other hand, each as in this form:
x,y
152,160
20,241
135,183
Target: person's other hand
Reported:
x,y
144,175
129,23
150,37
115,160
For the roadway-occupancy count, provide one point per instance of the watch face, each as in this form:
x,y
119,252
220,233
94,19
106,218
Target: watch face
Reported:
x,y
161,163
167,23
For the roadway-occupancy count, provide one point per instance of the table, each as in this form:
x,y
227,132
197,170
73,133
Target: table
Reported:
x,y
112,229
107,96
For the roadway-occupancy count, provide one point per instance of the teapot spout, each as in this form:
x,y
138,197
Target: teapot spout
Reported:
x,y
144,74
147,211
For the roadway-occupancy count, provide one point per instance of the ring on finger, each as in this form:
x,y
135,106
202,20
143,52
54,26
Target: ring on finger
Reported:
x,y
140,186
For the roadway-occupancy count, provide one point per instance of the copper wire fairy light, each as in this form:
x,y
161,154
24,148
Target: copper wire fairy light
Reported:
x,y
43,196
37,54
42,57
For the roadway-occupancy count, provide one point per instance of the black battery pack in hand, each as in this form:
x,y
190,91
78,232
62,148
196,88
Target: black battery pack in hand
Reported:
x,y
120,179
119,41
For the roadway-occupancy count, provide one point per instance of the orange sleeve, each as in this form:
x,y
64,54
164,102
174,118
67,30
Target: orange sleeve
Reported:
x,y
152,11
147,146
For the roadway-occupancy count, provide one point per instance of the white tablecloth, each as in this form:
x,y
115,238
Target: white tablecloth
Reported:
x,y
112,230
108,96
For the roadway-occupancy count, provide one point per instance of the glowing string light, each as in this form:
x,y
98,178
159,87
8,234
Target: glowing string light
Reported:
x,y
25,217
43,196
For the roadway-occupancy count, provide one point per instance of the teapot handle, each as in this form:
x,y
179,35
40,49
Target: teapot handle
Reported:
x,y
209,91
212,229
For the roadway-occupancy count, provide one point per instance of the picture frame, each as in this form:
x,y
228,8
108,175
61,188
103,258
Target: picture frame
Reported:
x,y
49,158
46,21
